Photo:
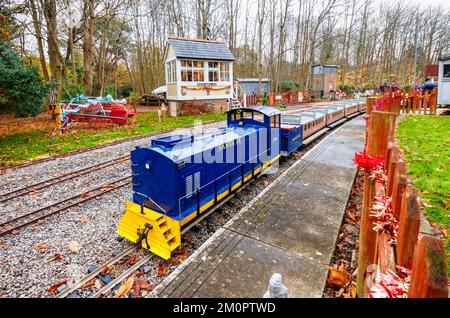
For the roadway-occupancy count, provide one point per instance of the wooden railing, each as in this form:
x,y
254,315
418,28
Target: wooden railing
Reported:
x,y
397,247
239,94
412,102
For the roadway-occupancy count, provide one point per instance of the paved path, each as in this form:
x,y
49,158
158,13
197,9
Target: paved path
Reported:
x,y
290,228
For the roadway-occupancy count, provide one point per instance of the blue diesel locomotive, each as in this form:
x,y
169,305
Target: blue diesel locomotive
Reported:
x,y
179,179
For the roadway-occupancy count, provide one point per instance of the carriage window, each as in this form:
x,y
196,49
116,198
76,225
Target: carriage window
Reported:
x,y
272,122
247,115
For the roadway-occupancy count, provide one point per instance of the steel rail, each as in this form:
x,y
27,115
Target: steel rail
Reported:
x,y
31,162
90,276
68,176
110,187
122,276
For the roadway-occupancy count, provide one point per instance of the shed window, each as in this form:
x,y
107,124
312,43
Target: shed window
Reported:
x,y
446,71
224,71
192,71
171,71
213,71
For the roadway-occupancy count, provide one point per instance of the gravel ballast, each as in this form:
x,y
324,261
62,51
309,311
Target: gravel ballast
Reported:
x,y
39,256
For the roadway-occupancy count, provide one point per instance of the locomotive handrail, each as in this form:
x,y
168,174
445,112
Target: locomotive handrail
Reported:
x,y
161,208
214,181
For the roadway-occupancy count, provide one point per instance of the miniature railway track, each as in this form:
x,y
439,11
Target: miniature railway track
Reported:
x,y
31,162
113,261
68,176
106,288
79,284
45,212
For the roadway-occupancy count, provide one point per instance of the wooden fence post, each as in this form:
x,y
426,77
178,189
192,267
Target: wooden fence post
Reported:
x,y
399,187
392,170
381,126
433,102
370,102
389,154
429,269
409,224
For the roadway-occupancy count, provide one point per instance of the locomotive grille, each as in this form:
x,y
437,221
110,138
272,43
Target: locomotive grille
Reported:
x,y
189,186
192,184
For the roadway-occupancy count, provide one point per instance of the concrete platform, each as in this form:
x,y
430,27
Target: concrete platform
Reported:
x,y
290,228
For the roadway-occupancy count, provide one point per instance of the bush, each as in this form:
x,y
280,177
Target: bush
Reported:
x,y
125,91
286,86
21,88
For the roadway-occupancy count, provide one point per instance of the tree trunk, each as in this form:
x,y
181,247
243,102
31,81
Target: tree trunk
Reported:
x,y
37,29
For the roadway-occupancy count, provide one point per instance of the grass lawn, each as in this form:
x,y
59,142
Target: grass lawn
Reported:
x,y
34,143
425,142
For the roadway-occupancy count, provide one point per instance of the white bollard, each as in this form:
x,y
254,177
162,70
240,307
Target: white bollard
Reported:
x,y
276,288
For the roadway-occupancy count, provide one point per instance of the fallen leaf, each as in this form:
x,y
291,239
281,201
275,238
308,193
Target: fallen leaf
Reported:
x,y
146,286
56,257
425,204
83,219
338,276
74,246
89,283
54,287
97,284
163,270
132,259
106,270
35,228
137,290
126,287
42,247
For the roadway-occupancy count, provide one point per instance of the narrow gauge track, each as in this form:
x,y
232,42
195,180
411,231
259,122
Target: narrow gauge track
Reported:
x,y
58,207
113,261
68,176
31,162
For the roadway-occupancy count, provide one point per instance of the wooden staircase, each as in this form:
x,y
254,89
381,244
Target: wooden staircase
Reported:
x,y
239,99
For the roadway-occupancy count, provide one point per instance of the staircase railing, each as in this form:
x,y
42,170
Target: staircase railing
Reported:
x,y
239,94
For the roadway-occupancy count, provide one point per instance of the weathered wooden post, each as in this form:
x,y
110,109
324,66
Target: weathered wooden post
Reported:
x,y
433,102
381,126
410,102
399,187
426,100
409,223
370,102
392,170
429,270
417,103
